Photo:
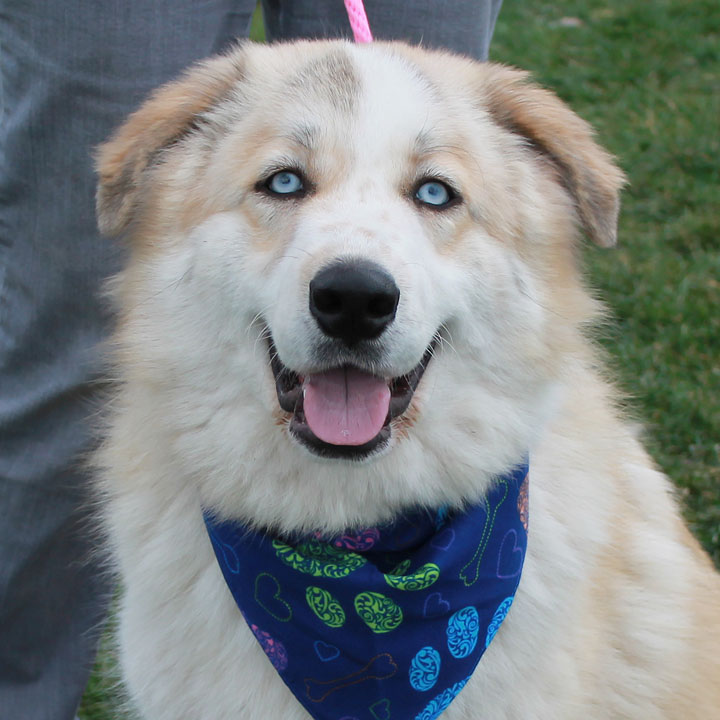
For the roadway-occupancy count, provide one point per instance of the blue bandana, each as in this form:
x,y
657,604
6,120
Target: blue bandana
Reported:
x,y
387,623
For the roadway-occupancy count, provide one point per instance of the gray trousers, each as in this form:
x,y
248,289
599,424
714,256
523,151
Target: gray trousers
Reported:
x,y
70,71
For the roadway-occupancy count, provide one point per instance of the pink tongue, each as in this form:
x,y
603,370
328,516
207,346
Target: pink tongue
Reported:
x,y
346,406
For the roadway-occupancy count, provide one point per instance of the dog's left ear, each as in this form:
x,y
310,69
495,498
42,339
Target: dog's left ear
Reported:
x,y
169,114
588,172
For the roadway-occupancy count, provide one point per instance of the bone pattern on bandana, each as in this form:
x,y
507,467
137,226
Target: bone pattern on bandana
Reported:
x,y
384,623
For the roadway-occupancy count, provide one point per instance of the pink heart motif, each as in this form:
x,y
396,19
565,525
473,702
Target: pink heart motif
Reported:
x,y
274,649
435,606
362,541
510,557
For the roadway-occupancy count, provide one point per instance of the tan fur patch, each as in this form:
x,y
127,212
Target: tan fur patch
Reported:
x,y
163,119
617,613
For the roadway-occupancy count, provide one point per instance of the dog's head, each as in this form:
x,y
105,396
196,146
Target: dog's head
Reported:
x,y
353,283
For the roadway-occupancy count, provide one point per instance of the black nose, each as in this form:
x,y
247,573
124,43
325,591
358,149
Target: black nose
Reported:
x,y
353,301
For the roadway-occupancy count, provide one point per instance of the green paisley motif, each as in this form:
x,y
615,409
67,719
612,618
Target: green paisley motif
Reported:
x,y
422,578
378,612
325,606
318,559
401,569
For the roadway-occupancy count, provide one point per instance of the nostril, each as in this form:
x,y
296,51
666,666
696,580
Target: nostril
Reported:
x,y
353,300
382,305
327,301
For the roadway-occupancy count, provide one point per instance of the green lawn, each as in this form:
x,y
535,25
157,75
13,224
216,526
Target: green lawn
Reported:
x,y
647,75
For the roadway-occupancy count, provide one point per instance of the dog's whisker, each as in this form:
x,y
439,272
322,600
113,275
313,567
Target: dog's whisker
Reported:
x,y
264,335
444,337
541,305
292,257
170,286
255,319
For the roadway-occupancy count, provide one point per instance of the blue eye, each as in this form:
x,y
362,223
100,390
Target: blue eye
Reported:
x,y
285,182
434,193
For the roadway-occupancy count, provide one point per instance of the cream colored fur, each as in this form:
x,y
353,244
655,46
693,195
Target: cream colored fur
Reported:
x,y
618,611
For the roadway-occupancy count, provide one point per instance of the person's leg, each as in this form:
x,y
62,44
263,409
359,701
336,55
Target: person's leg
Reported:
x,y
465,27
69,73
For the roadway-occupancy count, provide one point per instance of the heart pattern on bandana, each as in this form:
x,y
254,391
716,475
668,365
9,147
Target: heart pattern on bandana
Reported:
x,y
511,556
326,653
444,539
435,606
381,621
381,709
267,596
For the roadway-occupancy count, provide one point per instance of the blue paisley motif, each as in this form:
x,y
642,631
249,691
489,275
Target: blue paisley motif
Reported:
x,y
462,632
424,669
441,702
497,619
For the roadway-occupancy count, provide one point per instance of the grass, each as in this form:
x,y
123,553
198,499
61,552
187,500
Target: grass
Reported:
x,y
647,76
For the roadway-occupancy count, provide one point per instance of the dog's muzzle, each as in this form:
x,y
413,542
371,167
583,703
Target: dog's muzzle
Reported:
x,y
346,411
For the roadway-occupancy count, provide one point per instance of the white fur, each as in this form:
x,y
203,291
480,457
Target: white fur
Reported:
x,y
196,424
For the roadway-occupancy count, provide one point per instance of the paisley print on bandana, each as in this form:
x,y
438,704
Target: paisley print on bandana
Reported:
x,y
440,703
523,503
379,612
369,624
462,632
422,578
325,606
497,619
425,668
318,559
276,652
361,542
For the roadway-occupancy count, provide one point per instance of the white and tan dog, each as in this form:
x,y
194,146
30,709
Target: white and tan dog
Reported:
x,y
404,222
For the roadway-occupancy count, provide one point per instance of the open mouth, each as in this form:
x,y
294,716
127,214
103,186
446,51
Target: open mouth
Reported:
x,y
344,412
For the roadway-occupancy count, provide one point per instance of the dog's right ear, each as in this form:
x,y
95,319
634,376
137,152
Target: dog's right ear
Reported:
x,y
165,117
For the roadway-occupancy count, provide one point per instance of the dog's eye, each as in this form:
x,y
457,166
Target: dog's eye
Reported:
x,y
285,182
434,193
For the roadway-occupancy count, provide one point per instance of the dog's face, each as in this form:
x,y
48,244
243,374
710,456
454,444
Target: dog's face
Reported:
x,y
352,286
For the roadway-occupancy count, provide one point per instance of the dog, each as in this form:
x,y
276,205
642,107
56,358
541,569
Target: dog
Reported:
x,y
353,294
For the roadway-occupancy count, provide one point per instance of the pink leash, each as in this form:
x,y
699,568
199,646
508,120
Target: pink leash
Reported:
x,y
358,21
